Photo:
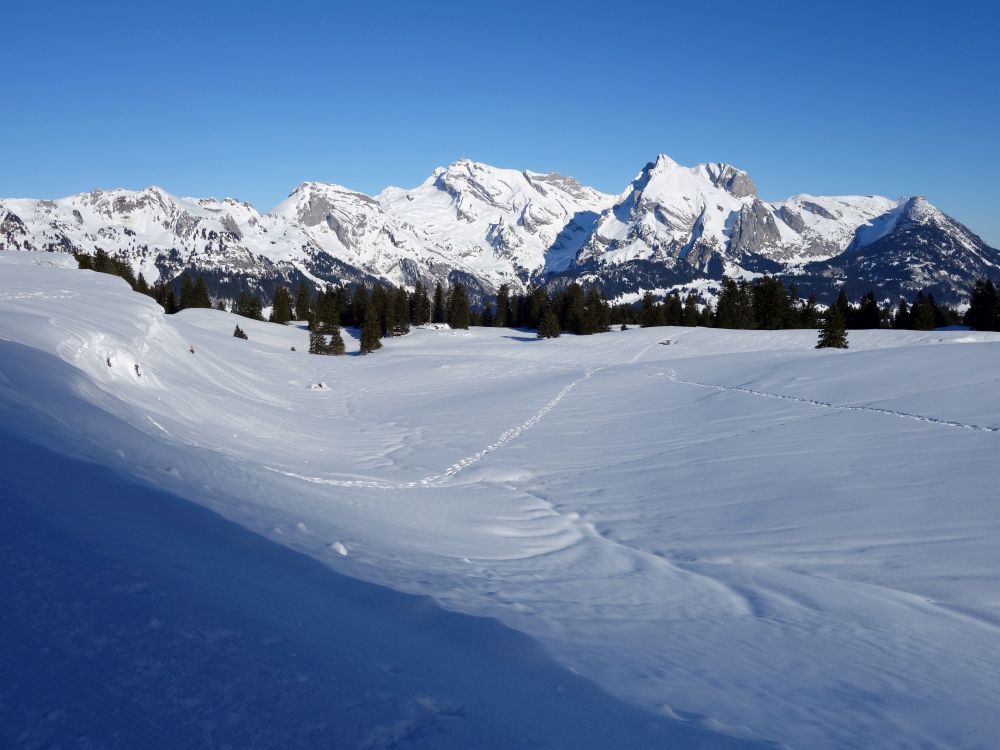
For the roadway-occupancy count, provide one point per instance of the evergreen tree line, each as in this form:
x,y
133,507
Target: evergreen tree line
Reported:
x,y
378,311
571,309
766,303
763,303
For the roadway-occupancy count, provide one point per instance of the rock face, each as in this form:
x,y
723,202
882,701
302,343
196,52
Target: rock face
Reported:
x,y
487,226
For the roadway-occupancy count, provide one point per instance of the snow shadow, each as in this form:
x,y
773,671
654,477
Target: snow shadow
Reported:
x,y
133,618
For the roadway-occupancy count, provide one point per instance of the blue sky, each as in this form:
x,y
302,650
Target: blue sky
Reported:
x,y
250,99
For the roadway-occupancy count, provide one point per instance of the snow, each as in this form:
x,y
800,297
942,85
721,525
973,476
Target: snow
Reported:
x,y
737,532
490,222
833,224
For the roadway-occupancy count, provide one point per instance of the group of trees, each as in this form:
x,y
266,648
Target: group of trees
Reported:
x,y
570,309
984,307
379,311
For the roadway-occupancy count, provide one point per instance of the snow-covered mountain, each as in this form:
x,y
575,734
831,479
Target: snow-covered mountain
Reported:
x,y
675,224
486,226
913,246
489,225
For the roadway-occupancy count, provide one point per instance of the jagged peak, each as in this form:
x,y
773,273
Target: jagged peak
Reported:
x,y
733,180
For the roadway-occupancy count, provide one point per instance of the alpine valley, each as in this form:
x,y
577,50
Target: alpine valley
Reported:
x,y
672,227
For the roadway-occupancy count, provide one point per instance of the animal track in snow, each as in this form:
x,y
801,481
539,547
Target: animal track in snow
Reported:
x,y
674,377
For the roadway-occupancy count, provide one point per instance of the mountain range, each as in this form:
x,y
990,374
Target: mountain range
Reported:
x,y
673,226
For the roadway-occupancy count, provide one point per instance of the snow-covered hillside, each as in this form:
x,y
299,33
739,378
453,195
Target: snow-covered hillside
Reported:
x,y
487,226
736,531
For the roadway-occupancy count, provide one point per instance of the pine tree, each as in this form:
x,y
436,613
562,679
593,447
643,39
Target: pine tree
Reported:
x,y
903,319
503,318
249,306
845,307
690,314
281,306
336,343
984,307
401,302
371,329
834,331
458,306
868,314
439,314
303,302
486,317
240,333
199,295
735,307
420,305
317,341
187,292
647,315
924,312
549,327
359,305
809,315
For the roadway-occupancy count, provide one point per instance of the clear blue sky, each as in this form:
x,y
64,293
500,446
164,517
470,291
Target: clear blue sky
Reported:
x,y
250,99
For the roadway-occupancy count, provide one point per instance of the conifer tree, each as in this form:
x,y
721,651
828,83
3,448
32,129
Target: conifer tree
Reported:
x,y
809,316
845,307
458,306
903,319
385,311
504,317
187,292
240,333
439,314
648,315
141,285
199,295
834,331
317,341
303,302
735,307
420,305
984,307
401,322
690,314
868,314
674,309
924,312
549,327
335,345
359,306
281,306
370,330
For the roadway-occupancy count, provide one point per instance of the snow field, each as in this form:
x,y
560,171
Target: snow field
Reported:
x,y
736,530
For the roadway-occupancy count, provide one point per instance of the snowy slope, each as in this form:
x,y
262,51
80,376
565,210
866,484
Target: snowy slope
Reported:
x,y
133,619
737,530
828,226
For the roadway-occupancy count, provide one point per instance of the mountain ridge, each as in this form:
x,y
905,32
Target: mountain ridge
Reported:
x,y
487,226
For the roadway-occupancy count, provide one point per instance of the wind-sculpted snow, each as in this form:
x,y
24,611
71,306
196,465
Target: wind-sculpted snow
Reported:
x,y
735,530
